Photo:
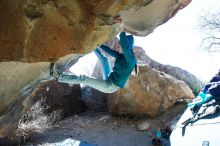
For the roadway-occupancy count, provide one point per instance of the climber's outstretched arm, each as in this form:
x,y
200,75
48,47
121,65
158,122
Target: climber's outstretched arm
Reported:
x,y
109,51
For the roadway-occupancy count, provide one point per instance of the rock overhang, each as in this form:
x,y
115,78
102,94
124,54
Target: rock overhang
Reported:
x,y
37,31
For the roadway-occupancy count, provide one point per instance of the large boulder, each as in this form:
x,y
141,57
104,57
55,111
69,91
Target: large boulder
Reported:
x,y
23,84
150,93
44,30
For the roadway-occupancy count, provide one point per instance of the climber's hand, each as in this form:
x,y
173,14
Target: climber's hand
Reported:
x,y
117,19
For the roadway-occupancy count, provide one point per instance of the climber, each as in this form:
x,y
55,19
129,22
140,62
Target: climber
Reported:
x,y
125,63
211,90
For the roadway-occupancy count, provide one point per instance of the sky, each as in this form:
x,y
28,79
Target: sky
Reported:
x,y
177,42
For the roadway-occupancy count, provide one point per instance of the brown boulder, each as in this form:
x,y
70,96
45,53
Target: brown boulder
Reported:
x,y
150,93
43,30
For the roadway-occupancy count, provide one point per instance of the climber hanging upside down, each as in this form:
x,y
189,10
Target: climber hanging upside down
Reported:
x,y
125,63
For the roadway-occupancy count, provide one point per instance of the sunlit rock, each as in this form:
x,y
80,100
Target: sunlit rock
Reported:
x,y
150,93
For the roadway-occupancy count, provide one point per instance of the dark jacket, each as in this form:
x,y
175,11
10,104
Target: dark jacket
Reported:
x,y
124,63
209,84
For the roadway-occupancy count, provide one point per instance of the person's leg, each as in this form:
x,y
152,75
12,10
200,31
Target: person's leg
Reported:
x,y
105,86
105,66
70,79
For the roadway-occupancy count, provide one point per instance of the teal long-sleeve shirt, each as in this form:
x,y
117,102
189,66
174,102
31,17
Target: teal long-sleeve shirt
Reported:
x,y
124,63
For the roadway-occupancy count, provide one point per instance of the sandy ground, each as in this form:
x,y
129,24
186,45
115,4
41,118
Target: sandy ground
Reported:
x,y
104,129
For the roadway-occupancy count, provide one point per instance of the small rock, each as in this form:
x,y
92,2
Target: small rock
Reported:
x,y
144,125
106,117
132,125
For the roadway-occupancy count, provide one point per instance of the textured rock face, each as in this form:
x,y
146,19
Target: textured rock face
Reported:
x,y
23,83
60,97
16,78
43,30
151,93
94,99
42,104
47,30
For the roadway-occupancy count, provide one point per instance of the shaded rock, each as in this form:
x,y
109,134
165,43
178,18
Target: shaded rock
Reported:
x,y
22,84
44,104
32,9
62,97
47,30
94,99
150,93
18,77
56,101
43,30
51,102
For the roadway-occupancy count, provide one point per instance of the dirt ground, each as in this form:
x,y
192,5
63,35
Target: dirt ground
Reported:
x,y
104,129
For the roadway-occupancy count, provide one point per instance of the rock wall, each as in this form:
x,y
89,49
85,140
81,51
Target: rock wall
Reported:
x,y
45,30
16,78
149,94
21,84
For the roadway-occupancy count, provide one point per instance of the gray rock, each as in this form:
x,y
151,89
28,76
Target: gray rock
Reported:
x,y
143,125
